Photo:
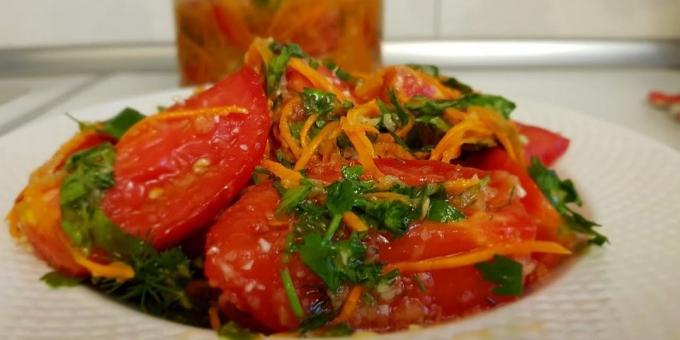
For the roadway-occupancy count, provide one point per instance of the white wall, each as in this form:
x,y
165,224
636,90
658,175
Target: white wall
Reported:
x,y
58,22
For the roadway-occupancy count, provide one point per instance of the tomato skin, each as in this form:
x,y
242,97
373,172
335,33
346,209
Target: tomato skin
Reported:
x,y
244,88
408,83
244,252
235,258
174,176
548,146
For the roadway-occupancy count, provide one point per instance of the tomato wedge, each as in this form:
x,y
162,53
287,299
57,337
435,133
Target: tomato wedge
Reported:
x,y
548,146
36,212
244,254
174,175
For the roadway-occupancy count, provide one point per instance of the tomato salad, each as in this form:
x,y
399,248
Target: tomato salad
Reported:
x,y
295,197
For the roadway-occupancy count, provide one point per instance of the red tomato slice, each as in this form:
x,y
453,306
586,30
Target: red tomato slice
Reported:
x,y
535,203
407,83
173,176
243,254
244,259
548,146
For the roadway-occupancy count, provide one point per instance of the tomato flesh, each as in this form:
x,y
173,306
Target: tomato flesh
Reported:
x,y
173,176
548,146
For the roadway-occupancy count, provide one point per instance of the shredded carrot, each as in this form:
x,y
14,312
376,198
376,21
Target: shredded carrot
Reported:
x,y
449,146
365,151
284,129
477,256
258,53
404,130
309,150
305,129
453,116
289,178
369,86
355,129
461,184
354,222
318,80
392,150
114,270
351,303
214,318
504,130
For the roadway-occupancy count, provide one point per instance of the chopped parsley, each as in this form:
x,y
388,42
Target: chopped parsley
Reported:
x,y
317,101
339,72
505,272
291,294
160,277
277,66
453,83
232,331
116,126
424,106
321,103
158,285
427,69
392,118
56,279
292,197
441,211
338,263
560,193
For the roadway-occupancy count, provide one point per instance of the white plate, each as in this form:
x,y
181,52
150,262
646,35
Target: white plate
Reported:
x,y
629,289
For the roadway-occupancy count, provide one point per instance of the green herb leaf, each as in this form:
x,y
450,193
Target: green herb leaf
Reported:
x,y
310,217
496,103
560,193
291,293
435,107
158,285
428,69
435,121
232,331
343,194
505,272
317,102
277,66
116,126
90,173
392,216
399,109
56,279
342,329
338,263
442,211
292,197
339,72
453,83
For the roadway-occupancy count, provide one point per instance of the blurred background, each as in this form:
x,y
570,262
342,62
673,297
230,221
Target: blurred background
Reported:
x,y
602,57
29,23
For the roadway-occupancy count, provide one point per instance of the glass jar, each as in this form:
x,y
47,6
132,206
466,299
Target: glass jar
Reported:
x,y
213,35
